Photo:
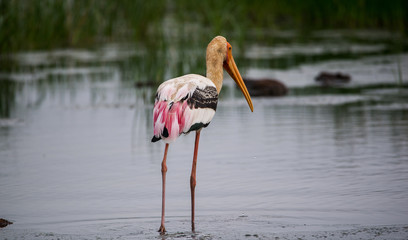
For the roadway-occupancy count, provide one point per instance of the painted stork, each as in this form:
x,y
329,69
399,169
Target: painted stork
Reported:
x,y
188,103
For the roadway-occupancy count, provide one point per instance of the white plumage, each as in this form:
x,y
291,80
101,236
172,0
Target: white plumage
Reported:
x,y
180,106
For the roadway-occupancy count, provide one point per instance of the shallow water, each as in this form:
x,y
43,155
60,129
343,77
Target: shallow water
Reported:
x,y
77,161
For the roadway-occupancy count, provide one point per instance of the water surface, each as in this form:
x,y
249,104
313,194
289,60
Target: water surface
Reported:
x,y
77,161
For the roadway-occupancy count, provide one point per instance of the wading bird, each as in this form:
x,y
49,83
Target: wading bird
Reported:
x,y
188,103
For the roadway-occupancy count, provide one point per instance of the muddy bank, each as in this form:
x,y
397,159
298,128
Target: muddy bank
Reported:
x,y
209,228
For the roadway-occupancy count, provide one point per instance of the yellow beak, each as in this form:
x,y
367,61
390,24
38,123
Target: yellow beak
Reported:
x,y
231,68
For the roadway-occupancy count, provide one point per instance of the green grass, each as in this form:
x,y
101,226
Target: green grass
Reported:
x,y
47,24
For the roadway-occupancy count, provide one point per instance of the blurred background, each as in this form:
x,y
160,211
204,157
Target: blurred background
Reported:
x,y
327,142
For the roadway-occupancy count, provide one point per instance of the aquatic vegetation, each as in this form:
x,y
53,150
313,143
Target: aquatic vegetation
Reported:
x,y
51,24
54,24
147,42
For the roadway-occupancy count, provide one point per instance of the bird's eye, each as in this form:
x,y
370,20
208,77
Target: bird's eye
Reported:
x,y
230,48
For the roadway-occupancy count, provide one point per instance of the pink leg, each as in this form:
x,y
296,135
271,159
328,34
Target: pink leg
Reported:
x,y
163,170
193,178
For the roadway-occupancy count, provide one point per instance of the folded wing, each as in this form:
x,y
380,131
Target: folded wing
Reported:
x,y
183,104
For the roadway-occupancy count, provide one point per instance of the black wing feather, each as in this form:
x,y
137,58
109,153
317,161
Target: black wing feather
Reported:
x,y
204,98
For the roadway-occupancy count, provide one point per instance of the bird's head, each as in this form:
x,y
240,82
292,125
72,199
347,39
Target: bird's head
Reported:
x,y
221,49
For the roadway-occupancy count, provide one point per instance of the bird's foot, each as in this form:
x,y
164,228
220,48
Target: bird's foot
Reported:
x,y
162,230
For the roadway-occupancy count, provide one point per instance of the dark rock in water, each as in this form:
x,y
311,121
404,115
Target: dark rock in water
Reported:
x,y
265,87
4,223
329,79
